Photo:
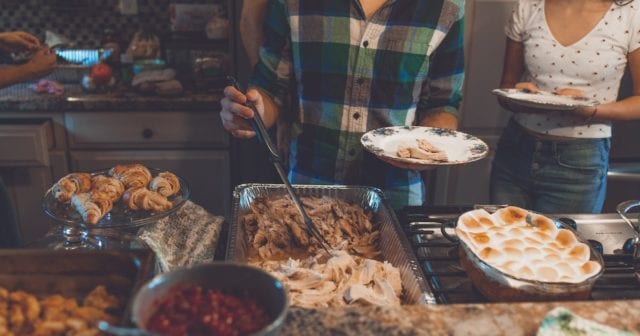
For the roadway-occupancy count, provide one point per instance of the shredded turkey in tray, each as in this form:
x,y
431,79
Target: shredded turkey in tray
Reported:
x,y
342,279
275,228
279,244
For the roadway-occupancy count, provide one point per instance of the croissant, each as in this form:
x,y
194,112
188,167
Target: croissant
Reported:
x,y
71,184
132,175
145,199
111,187
91,207
165,184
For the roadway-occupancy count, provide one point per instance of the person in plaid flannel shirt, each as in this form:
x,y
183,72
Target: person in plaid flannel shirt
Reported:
x,y
354,66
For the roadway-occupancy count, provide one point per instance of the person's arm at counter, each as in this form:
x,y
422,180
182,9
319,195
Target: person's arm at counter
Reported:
x,y
42,63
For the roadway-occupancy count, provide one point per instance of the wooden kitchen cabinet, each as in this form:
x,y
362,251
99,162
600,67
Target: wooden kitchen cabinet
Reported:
x,y
192,144
30,158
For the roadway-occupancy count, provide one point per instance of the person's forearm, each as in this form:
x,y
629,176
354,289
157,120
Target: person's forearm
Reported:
x,y
251,27
440,119
626,109
11,75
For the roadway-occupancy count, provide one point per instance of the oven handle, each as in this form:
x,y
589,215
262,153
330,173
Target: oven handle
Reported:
x,y
629,172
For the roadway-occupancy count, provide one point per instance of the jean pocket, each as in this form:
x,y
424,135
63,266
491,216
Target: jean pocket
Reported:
x,y
583,156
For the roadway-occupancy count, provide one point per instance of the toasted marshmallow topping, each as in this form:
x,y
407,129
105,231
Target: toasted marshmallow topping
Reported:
x,y
533,249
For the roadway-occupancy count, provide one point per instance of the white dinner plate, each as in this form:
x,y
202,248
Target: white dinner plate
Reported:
x,y
545,100
460,147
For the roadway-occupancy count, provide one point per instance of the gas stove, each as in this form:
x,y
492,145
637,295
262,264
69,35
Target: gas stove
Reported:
x,y
427,227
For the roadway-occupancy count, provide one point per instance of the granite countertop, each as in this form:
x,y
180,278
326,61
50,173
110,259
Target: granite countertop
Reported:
x,y
21,98
468,319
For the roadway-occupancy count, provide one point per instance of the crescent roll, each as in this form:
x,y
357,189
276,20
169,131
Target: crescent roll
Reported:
x,y
145,199
111,187
91,207
71,184
165,184
131,175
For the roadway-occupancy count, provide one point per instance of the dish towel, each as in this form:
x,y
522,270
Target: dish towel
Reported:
x,y
186,237
563,322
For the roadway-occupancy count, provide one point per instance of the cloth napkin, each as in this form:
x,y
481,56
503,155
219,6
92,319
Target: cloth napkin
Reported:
x,y
563,322
187,237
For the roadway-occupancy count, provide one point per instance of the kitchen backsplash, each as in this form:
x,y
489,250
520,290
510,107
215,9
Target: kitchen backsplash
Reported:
x,y
84,21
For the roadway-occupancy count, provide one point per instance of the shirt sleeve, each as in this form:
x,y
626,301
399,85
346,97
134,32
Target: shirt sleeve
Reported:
x,y
273,71
515,27
634,41
442,90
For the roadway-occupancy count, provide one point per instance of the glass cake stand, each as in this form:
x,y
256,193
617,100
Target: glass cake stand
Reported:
x,y
115,230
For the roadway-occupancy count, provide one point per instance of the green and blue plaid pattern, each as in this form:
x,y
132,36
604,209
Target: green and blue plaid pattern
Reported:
x,y
353,75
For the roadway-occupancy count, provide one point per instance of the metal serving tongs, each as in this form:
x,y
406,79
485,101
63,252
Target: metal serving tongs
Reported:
x,y
263,137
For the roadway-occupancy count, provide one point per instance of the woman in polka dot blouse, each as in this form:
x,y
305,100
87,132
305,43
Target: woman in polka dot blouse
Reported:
x,y
557,161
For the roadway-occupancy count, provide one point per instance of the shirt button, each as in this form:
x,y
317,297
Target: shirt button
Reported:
x,y
356,115
360,81
365,44
352,152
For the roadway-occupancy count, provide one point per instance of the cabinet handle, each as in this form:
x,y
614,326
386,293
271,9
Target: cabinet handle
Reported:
x,y
147,133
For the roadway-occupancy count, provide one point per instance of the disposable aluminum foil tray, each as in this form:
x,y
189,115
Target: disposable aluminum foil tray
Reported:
x,y
393,243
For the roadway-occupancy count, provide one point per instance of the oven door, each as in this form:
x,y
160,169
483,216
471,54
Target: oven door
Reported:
x,y
623,184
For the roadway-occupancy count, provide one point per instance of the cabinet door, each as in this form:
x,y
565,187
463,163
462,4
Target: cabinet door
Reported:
x,y
26,186
206,171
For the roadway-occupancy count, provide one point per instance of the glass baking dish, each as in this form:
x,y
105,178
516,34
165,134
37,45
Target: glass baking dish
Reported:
x,y
496,285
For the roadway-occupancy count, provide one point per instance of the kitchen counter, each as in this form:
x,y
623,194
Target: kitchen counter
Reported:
x,y
469,319
21,98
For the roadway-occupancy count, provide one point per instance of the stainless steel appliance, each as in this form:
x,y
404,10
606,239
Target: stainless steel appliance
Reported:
x,y
438,256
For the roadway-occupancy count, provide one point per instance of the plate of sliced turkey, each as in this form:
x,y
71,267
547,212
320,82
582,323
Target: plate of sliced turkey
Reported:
x,y
418,147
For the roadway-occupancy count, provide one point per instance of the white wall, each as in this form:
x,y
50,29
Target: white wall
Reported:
x,y
481,115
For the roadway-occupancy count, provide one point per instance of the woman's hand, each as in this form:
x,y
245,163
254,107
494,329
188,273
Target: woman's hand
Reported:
x,y
41,64
234,114
18,41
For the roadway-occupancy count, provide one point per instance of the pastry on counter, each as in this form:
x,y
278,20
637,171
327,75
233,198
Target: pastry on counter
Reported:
x,y
141,198
92,206
165,184
110,186
70,185
132,175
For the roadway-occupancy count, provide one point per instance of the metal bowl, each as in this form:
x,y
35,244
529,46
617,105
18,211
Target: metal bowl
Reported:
x,y
224,276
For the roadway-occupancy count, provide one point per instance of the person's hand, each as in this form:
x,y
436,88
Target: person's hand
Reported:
x,y
18,41
41,64
234,114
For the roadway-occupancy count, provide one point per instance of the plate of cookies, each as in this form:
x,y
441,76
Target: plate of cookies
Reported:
x,y
126,195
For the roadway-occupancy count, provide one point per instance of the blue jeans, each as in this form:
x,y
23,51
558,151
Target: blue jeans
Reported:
x,y
549,176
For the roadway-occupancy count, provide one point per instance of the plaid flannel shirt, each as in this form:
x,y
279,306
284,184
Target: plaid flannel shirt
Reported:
x,y
353,75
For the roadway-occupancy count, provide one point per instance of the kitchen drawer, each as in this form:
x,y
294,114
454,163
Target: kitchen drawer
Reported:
x,y
145,130
25,142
